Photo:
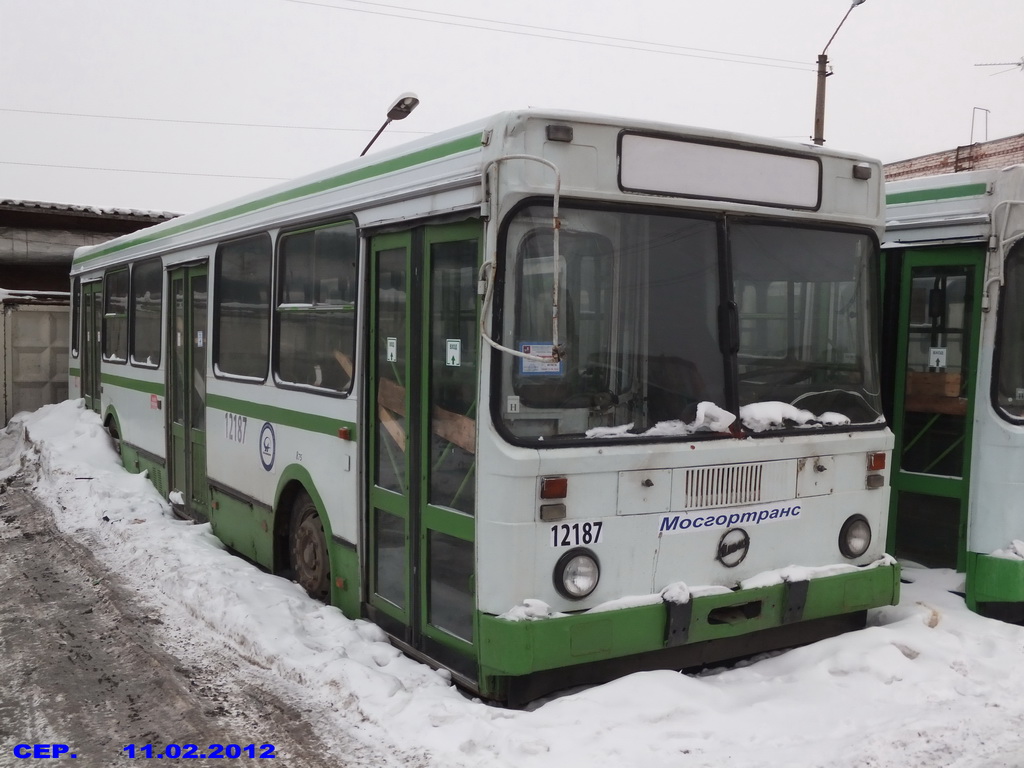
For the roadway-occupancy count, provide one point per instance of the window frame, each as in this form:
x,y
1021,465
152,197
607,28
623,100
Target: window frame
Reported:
x,y
108,296
506,304
133,324
1013,260
217,306
279,307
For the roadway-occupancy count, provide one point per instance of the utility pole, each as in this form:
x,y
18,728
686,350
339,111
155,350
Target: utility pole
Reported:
x,y
819,100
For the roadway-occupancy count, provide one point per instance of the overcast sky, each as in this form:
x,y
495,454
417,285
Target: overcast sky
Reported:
x,y
179,104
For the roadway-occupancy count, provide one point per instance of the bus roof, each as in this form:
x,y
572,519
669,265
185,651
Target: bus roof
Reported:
x,y
953,207
452,157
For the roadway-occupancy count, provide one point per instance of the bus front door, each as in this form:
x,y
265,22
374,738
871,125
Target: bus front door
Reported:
x,y
935,381
422,440
186,392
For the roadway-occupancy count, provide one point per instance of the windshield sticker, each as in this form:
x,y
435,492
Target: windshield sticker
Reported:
x,y
536,367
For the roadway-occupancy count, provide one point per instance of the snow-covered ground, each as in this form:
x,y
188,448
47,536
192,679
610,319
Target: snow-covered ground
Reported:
x,y
926,684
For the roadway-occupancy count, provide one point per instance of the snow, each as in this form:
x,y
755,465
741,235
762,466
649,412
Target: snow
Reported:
x,y
709,418
927,683
757,417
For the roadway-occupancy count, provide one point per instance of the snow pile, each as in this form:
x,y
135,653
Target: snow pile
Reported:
x,y
757,417
927,684
709,418
1013,552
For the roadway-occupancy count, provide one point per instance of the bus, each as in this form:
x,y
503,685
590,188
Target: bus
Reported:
x,y
954,378
549,397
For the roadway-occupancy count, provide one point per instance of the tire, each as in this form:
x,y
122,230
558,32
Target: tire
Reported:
x,y
115,438
307,546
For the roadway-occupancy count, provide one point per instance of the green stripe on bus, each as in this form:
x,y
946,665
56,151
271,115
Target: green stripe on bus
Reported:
x,y
310,422
75,371
151,387
361,174
944,193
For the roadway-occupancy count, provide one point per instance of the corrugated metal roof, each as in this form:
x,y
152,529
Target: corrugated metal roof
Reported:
x,y
88,210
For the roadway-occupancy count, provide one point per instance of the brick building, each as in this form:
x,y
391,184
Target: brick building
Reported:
x,y
998,153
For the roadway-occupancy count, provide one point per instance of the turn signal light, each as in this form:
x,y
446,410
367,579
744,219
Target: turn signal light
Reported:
x,y
554,487
876,462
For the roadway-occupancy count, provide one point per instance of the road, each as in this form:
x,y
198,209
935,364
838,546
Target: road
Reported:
x,y
84,664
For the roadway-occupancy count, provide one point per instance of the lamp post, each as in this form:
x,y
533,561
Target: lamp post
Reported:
x,y
819,101
399,110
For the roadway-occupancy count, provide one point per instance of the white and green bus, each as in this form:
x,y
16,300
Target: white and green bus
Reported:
x,y
549,397
954,371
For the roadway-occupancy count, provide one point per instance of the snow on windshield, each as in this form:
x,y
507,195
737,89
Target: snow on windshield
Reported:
x,y
756,417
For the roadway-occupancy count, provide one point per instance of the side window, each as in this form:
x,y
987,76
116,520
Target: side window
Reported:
x,y
147,295
76,311
1009,374
115,316
243,308
316,307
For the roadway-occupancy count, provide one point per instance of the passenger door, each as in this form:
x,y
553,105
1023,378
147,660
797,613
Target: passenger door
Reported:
x,y
186,391
422,438
92,347
935,379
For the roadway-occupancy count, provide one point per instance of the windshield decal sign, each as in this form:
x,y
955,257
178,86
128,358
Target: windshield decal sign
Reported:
x,y
536,367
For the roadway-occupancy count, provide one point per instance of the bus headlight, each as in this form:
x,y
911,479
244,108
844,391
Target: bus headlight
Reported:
x,y
855,537
577,573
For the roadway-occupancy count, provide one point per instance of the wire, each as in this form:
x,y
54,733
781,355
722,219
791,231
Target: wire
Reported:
x,y
606,41
197,122
137,170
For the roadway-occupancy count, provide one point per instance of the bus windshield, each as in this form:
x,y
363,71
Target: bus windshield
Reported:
x,y
681,325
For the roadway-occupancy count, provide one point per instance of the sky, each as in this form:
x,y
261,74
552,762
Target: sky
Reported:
x,y
926,684
182,104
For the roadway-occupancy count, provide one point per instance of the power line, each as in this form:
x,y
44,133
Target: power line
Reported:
x,y
197,122
138,170
606,41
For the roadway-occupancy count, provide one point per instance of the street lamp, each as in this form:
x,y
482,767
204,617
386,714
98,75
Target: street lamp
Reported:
x,y
819,101
399,110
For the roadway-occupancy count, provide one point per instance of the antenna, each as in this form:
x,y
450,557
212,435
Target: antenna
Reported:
x,y
974,114
1011,64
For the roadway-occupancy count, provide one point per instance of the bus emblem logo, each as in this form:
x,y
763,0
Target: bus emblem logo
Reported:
x,y
268,446
733,547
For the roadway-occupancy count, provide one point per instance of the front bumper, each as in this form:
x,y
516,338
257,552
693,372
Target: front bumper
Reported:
x,y
520,660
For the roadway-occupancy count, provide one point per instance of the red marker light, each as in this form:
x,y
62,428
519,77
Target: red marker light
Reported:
x,y
554,487
876,462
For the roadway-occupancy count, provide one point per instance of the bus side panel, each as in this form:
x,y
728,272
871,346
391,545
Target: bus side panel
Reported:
x,y
253,447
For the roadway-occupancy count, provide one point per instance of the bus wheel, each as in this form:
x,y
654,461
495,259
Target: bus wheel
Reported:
x,y
308,545
115,438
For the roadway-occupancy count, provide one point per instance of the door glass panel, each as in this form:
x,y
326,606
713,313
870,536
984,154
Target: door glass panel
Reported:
x,y
928,529
178,354
450,602
199,303
97,335
392,350
935,402
389,557
453,373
